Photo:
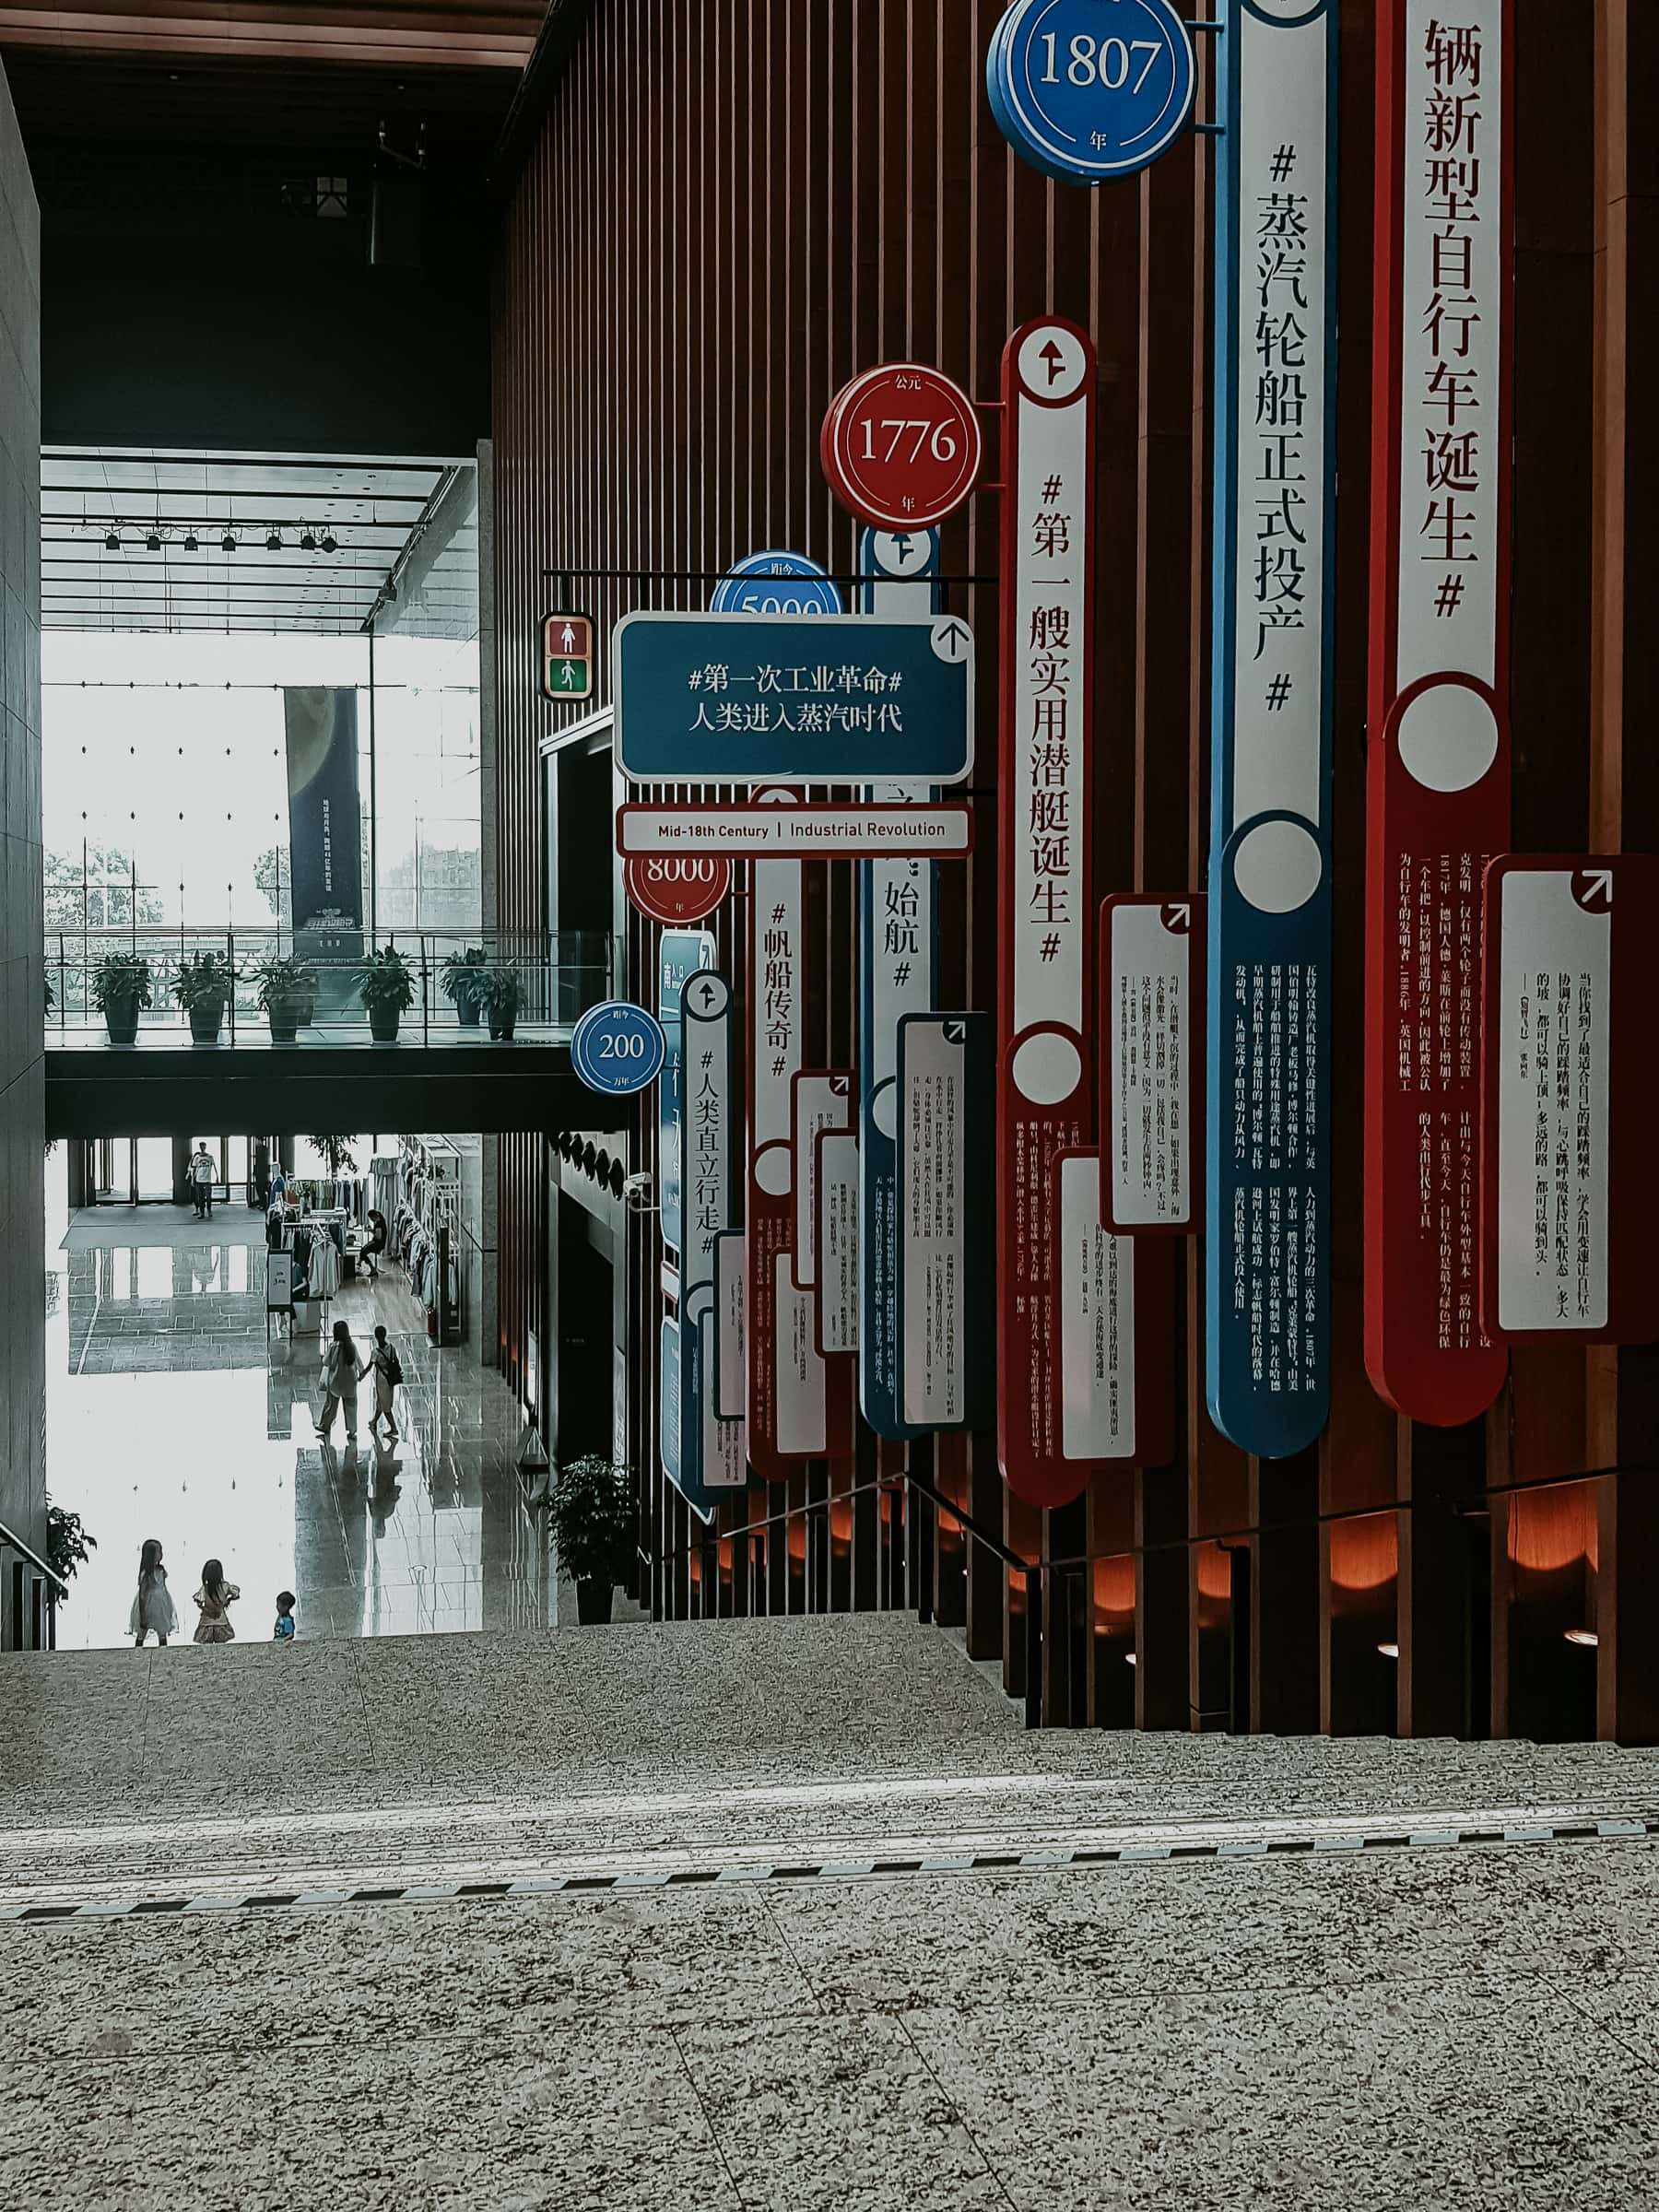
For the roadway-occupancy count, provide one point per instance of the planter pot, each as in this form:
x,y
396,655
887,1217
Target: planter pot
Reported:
x,y
205,1024
501,1026
285,1027
120,1019
594,1604
382,1024
466,1013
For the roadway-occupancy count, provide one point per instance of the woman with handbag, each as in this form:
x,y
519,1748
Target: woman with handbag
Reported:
x,y
342,1372
388,1374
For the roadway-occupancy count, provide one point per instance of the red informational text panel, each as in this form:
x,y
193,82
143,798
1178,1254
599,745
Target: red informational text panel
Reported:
x,y
678,887
1046,915
1438,798
1569,1062
800,1405
901,446
1152,1018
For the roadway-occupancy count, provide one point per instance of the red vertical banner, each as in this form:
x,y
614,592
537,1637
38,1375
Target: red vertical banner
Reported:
x,y
1046,920
1438,774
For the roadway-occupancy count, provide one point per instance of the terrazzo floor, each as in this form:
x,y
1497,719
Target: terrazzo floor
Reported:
x,y
1467,2026
172,1413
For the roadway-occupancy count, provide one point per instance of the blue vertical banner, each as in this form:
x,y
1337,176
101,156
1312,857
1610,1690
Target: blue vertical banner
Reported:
x,y
896,961
712,1460
682,953
1268,1177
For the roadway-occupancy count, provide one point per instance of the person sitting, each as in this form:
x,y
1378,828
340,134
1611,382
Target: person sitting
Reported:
x,y
377,1244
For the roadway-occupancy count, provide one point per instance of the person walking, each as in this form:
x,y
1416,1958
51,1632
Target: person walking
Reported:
x,y
388,1374
204,1173
342,1372
214,1600
152,1605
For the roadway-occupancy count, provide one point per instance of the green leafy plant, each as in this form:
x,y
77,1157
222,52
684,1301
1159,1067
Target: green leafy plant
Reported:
x,y
500,990
122,979
591,1510
386,981
337,1154
461,976
284,985
68,1547
203,983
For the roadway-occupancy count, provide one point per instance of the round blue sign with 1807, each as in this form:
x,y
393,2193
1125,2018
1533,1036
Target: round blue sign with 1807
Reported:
x,y
775,583
617,1048
1088,89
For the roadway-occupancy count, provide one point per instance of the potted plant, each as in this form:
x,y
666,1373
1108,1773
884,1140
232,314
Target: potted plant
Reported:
x,y
287,988
202,983
68,1547
121,985
499,993
462,976
386,986
338,1156
591,1509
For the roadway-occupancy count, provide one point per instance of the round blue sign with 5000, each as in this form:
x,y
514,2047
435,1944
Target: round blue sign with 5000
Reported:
x,y
617,1048
775,583
1088,89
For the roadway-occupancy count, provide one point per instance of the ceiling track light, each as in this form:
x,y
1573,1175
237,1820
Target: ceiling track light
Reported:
x,y
308,541
274,542
112,542
152,543
227,543
330,542
192,543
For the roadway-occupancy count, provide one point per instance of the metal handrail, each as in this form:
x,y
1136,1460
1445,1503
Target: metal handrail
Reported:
x,y
16,1543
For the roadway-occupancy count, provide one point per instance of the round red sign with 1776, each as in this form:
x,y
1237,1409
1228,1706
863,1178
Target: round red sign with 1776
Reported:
x,y
675,889
901,446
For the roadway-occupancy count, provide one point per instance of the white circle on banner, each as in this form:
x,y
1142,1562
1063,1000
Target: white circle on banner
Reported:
x,y
1448,737
1052,363
771,1170
901,552
1277,866
884,1110
1046,1069
1288,11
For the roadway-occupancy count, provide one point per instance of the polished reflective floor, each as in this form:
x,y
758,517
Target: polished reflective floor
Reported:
x,y
171,1414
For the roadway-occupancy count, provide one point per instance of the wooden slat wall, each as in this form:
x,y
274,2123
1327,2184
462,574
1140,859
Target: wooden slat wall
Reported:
x,y
733,206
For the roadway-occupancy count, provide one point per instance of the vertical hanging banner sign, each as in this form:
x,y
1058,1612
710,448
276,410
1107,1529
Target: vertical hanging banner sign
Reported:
x,y
1117,1329
680,953
1046,918
1438,772
897,966
1268,1249
838,1269
1151,1062
947,1115
797,1408
823,1099
1570,1066
731,1298
712,1455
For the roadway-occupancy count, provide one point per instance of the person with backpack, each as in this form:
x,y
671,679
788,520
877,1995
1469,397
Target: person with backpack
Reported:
x,y
388,1374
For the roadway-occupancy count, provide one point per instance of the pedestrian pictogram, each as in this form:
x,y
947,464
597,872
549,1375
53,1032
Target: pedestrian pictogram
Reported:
x,y
567,656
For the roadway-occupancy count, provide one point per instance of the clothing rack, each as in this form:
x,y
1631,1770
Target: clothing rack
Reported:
x,y
424,1229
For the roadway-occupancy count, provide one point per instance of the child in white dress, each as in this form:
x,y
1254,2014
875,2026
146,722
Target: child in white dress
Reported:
x,y
152,1603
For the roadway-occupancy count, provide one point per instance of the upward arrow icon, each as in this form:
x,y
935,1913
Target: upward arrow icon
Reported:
x,y
1055,355
955,638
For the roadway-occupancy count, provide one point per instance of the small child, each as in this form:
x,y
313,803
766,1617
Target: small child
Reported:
x,y
285,1615
152,1608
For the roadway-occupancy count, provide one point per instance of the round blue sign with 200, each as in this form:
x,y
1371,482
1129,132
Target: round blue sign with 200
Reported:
x,y
775,583
1088,89
617,1048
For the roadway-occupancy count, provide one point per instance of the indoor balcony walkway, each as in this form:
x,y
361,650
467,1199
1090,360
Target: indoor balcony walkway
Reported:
x,y
283,1065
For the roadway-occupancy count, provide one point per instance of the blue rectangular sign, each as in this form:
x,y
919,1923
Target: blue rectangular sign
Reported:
x,y
766,699
680,953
